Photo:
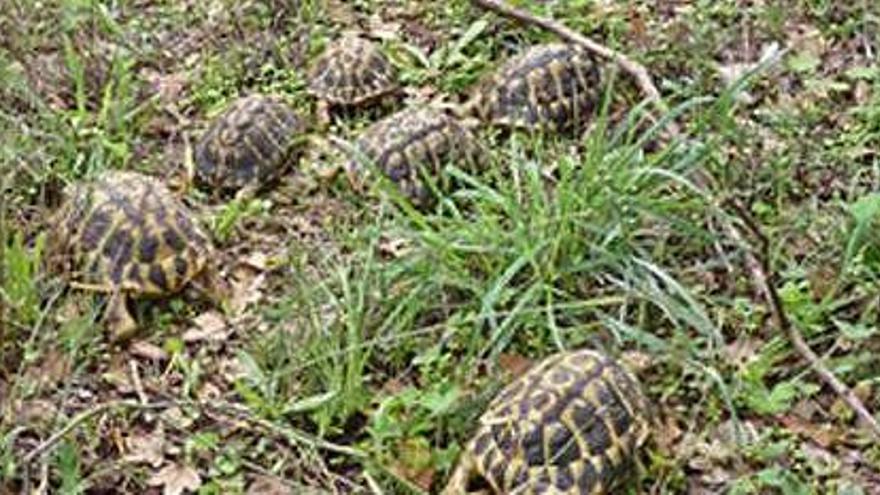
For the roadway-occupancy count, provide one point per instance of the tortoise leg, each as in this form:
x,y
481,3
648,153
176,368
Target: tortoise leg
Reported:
x,y
247,192
118,319
461,477
213,286
322,116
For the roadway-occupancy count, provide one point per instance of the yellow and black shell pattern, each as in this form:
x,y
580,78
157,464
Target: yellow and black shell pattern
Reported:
x,y
125,232
409,143
552,86
570,425
250,143
352,71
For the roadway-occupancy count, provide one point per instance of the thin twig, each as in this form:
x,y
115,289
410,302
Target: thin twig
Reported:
x,y
758,269
82,417
636,70
294,435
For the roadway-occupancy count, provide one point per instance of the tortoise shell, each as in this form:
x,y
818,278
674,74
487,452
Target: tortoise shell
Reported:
x,y
552,86
124,233
352,71
409,140
248,145
570,425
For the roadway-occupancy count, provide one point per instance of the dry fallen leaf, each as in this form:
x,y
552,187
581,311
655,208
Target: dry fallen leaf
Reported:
x,y
146,449
209,392
265,485
148,350
824,434
36,412
394,247
415,463
246,292
168,87
175,417
210,326
54,368
636,361
515,364
257,260
176,479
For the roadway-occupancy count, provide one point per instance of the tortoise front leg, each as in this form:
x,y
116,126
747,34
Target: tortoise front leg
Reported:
x,y
118,319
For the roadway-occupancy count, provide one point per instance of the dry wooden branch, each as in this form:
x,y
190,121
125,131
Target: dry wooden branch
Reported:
x,y
758,269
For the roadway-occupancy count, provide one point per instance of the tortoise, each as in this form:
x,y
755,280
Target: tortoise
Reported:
x,y
352,72
414,138
125,235
570,425
552,86
249,145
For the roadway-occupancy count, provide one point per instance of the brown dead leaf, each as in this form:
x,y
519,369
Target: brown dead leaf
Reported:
x,y
821,459
118,375
393,386
669,435
148,350
176,479
636,361
742,350
175,417
415,463
246,291
210,326
339,11
231,369
806,38
169,87
394,248
637,28
52,370
265,485
513,363
36,412
383,29
823,434
146,449
257,260
861,92
209,392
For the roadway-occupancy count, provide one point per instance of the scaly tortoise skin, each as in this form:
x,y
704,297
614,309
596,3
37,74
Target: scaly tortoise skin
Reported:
x,y
352,72
570,425
124,234
548,87
249,145
411,139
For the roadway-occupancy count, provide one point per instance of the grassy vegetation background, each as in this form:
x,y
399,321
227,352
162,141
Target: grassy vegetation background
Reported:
x,y
368,336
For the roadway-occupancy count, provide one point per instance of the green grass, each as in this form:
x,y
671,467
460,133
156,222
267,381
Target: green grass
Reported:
x,y
386,331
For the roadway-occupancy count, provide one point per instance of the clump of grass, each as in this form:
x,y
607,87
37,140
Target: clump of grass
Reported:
x,y
546,249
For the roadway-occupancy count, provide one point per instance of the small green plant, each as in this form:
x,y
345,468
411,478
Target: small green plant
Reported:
x,y
21,267
69,471
233,212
